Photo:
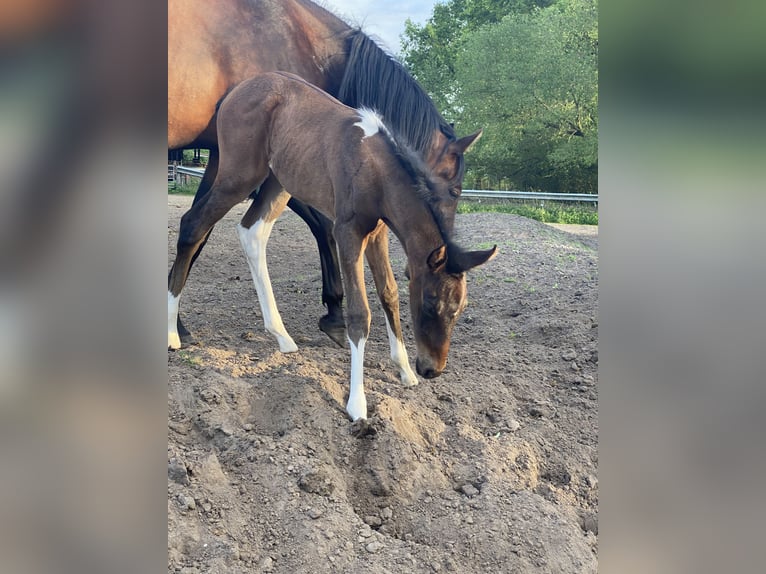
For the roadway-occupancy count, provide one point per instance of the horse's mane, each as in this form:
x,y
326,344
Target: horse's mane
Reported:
x,y
376,80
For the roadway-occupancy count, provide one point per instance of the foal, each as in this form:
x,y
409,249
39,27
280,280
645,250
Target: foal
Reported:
x,y
276,129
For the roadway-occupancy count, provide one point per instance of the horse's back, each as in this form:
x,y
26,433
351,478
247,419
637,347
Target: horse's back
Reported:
x,y
213,47
301,132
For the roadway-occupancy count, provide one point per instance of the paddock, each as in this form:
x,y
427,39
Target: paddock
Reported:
x,y
490,467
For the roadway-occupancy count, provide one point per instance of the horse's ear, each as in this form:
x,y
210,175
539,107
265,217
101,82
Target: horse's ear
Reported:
x,y
462,261
437,258
466,143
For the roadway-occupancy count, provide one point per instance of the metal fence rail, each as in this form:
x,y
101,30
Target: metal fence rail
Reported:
x,y
478,193
492,194
193,171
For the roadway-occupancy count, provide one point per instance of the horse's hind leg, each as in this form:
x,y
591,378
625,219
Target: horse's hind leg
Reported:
x,y
254,231
333,323
204,187
228,190
385,284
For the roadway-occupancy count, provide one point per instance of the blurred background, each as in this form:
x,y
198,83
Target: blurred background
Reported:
x,y
82,212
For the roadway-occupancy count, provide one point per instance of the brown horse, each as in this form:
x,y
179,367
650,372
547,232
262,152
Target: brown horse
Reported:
x,y
277,129
214,46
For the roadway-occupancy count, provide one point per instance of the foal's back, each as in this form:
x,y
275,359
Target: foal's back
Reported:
x,y
308,139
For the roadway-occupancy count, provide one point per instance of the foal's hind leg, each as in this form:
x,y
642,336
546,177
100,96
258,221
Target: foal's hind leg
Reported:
x,y
385,284
254,231
228,190
333,323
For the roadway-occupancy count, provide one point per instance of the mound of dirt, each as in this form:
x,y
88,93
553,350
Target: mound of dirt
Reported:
x,y
489,468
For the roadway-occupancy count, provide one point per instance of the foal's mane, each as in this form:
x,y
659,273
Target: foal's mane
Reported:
x,y
376,80
420,174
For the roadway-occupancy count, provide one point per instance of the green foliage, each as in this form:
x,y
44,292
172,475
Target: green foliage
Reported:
x,y
430,51
525,71
546,214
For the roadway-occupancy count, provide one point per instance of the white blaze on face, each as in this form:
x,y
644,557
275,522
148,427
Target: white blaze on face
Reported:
x,y
370,122
357,402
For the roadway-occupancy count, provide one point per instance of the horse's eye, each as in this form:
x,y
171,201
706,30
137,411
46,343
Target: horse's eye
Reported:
x,y
455,191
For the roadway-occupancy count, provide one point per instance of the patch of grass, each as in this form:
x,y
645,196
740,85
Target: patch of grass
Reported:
x,y
566,213
179,189
189,359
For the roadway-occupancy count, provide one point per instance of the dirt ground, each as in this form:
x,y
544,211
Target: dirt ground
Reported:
x,y
491,467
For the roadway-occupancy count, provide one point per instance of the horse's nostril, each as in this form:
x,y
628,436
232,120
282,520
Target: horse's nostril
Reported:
x,y
426,372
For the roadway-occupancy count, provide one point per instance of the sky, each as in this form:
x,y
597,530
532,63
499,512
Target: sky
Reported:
x,y
384,19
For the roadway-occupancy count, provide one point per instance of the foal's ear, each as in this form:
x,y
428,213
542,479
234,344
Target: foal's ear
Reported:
x,y
466,143
437,258
462,261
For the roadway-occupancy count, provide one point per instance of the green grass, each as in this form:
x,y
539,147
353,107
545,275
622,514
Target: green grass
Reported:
x,y
189,359
547,214
188,189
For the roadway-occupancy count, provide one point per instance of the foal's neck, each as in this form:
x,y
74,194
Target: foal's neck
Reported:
x,y
414,223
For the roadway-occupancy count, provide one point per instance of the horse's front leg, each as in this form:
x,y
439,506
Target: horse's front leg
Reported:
x,y
254,231
385,284
204,187
321,227
226,192
351,246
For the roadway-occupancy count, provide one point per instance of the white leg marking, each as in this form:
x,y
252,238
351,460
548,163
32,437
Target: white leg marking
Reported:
x,y
399,357
357,402
174,341
254,241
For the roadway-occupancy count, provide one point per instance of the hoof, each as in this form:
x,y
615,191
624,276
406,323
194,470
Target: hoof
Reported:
x,y
356,407
361,428
408,379
174,341
288,346
187,339
334,328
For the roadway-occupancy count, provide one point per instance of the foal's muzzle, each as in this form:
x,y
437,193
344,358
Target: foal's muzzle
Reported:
x,y
427,372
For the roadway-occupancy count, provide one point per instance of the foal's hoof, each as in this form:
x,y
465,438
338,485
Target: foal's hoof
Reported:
x,y
361,428
334,328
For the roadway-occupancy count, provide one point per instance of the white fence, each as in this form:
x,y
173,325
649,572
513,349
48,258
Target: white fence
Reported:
x,y
478,193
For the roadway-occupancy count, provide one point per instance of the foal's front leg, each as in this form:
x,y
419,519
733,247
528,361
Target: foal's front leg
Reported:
x,y
350,248
385,284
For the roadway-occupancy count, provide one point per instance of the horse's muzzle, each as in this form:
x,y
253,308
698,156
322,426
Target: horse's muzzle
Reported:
x,y
427,372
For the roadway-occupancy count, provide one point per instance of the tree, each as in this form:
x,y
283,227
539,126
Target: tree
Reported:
x,y
430,51
531,82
